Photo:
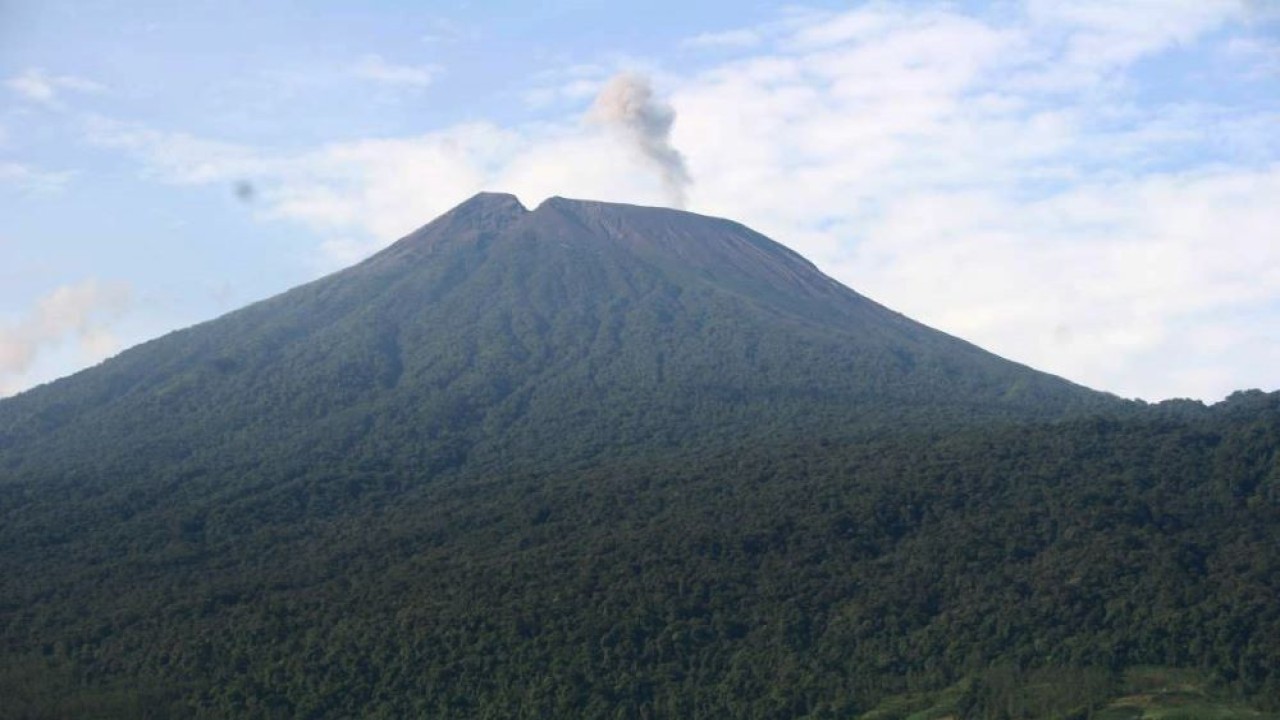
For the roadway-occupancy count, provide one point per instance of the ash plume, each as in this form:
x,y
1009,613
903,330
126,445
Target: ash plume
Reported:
x,y
627,105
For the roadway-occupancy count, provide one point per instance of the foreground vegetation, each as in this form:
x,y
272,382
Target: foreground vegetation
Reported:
x,y
808,580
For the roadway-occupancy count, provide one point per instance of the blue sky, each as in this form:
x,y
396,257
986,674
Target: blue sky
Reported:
x,y
1088,187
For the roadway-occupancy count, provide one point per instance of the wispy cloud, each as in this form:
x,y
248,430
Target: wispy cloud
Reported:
x,y
1091,41
179,157
741,38
570,85
374,68
79,314
376,189
1261,54
38,86
33,181
444,30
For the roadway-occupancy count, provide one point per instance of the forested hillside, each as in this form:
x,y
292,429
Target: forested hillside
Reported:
x,y
779,581
602,461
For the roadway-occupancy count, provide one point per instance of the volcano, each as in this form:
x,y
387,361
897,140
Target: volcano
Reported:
x,y
496,334
605,461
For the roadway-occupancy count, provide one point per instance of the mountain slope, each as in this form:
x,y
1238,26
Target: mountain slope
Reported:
x,y
496,333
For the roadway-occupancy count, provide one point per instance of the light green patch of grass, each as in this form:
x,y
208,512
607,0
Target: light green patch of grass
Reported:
x,y
1147,693
1202,710
1157,693
1118,713
939,705
899,707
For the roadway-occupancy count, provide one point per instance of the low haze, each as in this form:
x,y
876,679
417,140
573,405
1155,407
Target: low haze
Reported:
x,y
1089,188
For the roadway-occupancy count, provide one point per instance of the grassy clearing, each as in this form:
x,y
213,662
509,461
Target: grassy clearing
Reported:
x,y
939,705
1145,693
1155,693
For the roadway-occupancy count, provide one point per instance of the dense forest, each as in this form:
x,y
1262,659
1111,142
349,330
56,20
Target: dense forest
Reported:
x,y
799,580
496,479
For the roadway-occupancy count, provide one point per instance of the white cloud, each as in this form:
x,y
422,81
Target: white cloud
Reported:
x,y
1261,54
364,194
580,163
741,38
37,85
79,315
1092,283
571,90
1091,40
178,157
33,181
377,70
383,189
444,30
341,252
569,86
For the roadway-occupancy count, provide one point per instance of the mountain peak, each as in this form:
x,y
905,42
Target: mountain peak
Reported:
x,y
598,207
487,207
483,207
490,199
482,213
711,246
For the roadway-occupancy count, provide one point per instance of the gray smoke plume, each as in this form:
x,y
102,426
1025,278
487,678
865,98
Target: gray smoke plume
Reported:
x,y
627,104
